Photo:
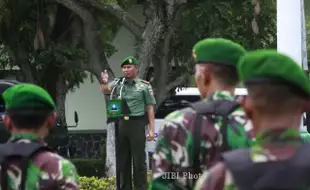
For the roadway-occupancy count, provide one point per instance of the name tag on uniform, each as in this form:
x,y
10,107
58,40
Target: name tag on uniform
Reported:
x,y
138,88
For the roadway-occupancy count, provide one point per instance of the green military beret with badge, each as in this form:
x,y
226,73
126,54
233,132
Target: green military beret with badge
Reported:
x,y
130,60
217,51
27,96
270,66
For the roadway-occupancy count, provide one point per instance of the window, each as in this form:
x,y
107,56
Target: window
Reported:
x,y
175,103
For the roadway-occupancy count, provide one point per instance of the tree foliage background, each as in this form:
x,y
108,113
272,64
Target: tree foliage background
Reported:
x,y
55,42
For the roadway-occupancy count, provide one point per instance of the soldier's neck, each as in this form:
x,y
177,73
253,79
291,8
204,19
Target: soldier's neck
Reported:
x,y
264,122
214,87
131,78
39,133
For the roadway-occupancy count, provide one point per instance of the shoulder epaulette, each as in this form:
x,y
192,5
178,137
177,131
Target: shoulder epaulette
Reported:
x,y
145,82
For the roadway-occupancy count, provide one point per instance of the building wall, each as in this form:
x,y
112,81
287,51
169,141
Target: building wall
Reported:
x,y
88,100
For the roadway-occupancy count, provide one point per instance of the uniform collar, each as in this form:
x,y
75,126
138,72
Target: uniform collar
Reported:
x,y
135,80
282,136
305,135
220,95
25,136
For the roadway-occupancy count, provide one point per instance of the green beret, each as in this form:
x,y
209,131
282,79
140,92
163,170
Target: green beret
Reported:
x,y
217,51
25,96
270,66
130,60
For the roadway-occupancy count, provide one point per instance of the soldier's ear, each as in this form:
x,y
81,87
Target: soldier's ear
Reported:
x,y
137,68
306,106
206,71
247,106
51,120
7,122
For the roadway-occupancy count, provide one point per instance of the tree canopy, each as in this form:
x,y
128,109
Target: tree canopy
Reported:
x,y
55,42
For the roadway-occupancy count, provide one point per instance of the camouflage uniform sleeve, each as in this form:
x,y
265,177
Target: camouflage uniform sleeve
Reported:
x,y
67,178
59,171
239,134
163,155
162,162
214,179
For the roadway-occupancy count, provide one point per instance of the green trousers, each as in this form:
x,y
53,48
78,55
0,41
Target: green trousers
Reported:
x,y
132,141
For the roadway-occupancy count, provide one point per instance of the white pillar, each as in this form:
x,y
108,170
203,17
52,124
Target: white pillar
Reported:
x,y
289,30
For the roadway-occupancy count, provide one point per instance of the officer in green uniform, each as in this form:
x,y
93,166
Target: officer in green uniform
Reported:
x,y
139,96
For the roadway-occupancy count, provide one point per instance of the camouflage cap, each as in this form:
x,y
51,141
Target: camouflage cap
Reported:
x,y
217,51
265,66
25,96
130,60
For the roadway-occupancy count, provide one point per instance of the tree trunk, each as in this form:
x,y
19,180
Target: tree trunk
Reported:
x,y
21,59
97,60
156,45
61,92
110,150
149,42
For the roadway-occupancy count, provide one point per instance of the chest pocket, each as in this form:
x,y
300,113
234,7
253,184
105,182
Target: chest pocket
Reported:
x,y
132,93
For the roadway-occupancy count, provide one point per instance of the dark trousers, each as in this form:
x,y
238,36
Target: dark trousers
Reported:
x,y
132,147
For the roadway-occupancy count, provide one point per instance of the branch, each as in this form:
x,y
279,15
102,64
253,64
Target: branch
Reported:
x,y
124,17
89,29
21,58
150,38
173,7
76,8
256,5
166,92
175,22
176,61
80,66
164,67
88,26
98,60
177,82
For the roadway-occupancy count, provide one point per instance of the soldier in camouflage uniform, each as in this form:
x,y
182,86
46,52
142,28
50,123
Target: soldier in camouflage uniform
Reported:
x,y
29,115
278,94
216,78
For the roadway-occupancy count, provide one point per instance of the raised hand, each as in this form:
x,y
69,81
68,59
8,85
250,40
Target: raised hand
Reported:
x,y
105,77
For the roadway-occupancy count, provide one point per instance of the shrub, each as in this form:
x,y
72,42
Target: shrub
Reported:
x,y
95,183
90,167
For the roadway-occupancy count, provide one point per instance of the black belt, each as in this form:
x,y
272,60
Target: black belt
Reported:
x,y
132,117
